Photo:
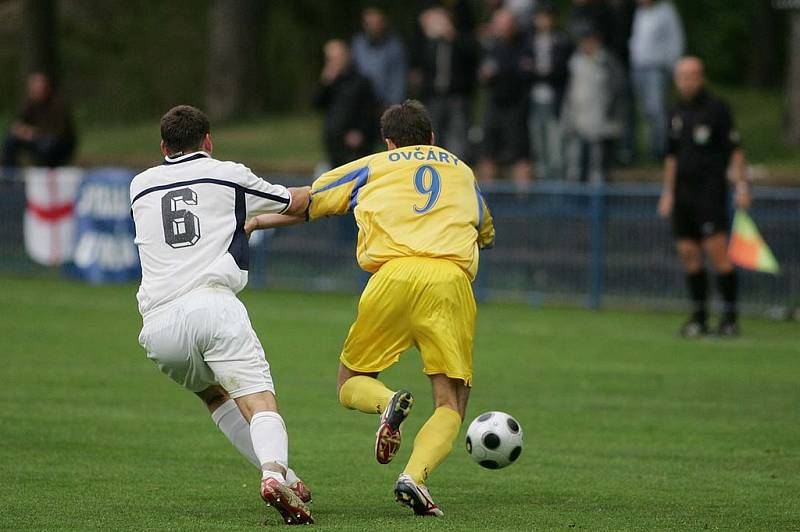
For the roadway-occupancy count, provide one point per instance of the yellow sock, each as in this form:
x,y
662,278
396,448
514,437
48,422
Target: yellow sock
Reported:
x,y
365,394
433,443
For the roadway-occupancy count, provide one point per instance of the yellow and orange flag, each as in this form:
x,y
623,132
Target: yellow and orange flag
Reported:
x,y
747,248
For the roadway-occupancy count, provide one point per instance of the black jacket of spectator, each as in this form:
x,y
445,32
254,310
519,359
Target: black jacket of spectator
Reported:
x,y
50,117
350,105
463,63
509,85
558,76
54,140
622,12
505,129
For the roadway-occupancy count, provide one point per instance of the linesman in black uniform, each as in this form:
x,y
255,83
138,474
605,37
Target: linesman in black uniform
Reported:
x,y
703,144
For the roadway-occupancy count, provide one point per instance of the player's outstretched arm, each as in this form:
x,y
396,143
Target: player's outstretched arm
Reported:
x,y
270,221
336,192
294,214
301,196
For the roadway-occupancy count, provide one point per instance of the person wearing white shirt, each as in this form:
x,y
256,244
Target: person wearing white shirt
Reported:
x,y
656,45
190,213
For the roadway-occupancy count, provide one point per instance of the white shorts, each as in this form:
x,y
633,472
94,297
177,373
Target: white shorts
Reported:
x,y
205,338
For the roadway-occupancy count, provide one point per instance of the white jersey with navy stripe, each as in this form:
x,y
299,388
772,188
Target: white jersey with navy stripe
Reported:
x,y
189,214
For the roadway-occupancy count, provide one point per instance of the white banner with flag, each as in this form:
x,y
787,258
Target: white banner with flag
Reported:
x,y
49,225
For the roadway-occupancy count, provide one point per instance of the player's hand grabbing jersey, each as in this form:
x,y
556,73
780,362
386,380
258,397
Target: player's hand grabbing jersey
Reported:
x,y
416,201
189,215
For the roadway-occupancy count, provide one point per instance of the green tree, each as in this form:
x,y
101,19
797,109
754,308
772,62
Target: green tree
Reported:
x,y
233,80
40,50
793,78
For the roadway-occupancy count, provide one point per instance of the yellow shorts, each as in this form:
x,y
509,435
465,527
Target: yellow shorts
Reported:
x,y
414,301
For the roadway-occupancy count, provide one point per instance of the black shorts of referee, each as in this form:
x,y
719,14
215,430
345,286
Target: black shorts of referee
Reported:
x,y
700,218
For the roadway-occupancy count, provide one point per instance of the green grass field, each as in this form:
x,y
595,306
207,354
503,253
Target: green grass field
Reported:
x,y
627,427
288,143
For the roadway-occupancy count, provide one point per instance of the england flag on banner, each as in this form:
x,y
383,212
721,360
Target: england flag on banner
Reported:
x,y
49,224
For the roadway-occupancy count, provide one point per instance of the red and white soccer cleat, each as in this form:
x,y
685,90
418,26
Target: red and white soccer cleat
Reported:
x,y
415,496
282,498
301,490
388,437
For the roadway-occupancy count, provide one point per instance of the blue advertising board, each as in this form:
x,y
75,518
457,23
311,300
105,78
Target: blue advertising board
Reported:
x,y
104,248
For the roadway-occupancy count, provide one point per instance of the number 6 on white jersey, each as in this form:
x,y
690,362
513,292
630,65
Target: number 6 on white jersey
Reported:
x,y
181,227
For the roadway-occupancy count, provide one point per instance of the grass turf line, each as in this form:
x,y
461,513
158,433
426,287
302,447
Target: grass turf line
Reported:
x,y
627,427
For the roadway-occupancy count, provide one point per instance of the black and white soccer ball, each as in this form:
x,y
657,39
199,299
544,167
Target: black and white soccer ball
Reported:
x,y
494,440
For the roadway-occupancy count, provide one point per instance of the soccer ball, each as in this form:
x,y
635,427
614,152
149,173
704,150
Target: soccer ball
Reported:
x,y
494,440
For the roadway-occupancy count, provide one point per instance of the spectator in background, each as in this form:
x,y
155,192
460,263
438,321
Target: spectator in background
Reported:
x,y
523,13
43,128
656,45
380,55
548,71
592,108
505,132
461,13
521,9
443,72
597,14
622,15
350,107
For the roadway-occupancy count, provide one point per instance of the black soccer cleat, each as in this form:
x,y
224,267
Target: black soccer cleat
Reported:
x,y
388,437
416,496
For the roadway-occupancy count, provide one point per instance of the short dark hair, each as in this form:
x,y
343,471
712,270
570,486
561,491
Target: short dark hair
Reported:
x,y
183,128
407,124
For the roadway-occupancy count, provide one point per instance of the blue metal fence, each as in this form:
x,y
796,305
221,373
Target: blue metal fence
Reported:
x,y
556,242
563,242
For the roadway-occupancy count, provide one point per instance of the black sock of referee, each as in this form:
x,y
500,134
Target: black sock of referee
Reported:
x,y
728,288
698,291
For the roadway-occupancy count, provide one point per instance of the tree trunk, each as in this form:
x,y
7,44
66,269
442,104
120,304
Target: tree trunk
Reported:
x,y
39,50
793,79
234,61
764,61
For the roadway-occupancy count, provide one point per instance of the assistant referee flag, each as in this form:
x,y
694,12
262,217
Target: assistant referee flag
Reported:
x,y
747,248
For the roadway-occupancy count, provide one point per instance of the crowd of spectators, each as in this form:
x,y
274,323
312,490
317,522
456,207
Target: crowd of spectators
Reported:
x,y
558,93
520,90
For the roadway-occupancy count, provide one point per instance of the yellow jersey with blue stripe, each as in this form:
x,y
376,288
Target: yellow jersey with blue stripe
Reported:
x,y
415,201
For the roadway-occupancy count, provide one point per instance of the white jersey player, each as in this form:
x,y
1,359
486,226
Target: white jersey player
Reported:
x,y
190,214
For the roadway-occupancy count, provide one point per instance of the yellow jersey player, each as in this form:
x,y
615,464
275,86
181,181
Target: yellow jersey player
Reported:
x,y
421,220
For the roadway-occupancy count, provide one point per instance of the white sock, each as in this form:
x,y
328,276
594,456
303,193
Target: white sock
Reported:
x,y
270,441
230,421
291,476
233,425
